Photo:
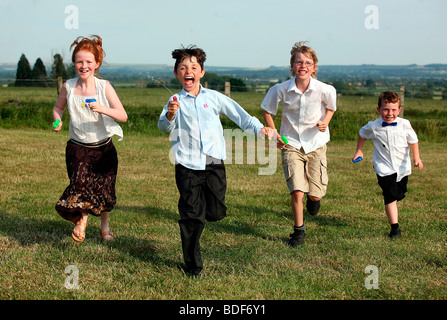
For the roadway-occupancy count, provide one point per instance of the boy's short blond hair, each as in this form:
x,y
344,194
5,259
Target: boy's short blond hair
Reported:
x,y
300,47
388,97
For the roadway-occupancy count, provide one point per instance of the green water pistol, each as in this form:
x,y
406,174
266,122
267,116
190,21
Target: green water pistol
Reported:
x,y
56,123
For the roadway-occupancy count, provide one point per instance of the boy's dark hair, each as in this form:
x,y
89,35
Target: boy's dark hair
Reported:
x,y
188,52
388,97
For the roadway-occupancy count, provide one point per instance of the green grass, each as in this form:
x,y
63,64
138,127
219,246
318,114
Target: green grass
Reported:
x,y
428,117
244,255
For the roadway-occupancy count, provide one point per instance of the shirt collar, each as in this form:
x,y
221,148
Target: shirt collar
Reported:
x,y
184,93
397,120
293,87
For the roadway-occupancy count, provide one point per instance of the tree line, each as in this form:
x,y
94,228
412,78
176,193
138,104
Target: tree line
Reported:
x,y
37,76
353,86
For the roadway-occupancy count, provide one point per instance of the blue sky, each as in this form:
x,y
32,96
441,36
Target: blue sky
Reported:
x,y
236,33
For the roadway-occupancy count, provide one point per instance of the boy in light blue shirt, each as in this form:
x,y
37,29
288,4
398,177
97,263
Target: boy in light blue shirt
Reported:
x,y
193,119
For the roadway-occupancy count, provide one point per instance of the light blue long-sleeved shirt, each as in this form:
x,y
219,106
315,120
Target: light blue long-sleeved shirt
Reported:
x,y
196,130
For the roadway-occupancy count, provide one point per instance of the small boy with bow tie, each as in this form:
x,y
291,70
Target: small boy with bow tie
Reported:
x,y
393,138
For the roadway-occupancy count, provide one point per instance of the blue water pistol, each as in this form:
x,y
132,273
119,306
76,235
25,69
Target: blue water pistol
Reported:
x,y
87,101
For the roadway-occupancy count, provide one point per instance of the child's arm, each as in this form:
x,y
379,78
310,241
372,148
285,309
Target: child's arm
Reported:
x,y
359,150
322,125
58,109
268,118
416,158
116,110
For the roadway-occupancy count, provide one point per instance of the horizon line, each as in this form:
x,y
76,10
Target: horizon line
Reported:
x,y
105,63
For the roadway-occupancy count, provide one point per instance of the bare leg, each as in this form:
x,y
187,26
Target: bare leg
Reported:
x,y
105,229
297,237
392,212
297,207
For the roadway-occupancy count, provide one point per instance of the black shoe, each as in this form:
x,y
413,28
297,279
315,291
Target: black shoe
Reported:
x,y
296,238
395,233
191,273
312,206
194,273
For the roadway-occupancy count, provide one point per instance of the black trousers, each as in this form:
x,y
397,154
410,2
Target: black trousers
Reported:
x,y
202,197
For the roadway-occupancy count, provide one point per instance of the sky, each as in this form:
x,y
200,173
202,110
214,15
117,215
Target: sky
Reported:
x,y
233,33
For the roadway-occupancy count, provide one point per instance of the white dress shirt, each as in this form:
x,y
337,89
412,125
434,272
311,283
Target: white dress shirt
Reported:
x,y
391,146
302,111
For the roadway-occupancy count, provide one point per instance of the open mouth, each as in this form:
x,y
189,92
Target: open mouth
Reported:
x,y
189,81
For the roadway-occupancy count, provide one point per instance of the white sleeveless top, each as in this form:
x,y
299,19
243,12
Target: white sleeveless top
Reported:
x,y
85,125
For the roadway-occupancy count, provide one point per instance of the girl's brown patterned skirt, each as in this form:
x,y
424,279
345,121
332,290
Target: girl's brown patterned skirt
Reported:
x,y
92,172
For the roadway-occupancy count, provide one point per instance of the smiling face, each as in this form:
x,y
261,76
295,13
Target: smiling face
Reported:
x,y
389,111
85,64
189,72
303,66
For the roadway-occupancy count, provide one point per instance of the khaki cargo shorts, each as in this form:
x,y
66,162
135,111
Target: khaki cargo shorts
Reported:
x,y
305,172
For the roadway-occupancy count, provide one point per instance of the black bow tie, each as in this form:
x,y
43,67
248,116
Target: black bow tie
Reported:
x,y
384,124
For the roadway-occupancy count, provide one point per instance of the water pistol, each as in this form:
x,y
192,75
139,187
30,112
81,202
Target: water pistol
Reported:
x,y
87,101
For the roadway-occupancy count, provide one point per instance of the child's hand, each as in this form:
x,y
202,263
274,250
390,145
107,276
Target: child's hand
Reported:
x,y
418,163
357,154
322,126
96,107
173,107
267,131
280,144
57,128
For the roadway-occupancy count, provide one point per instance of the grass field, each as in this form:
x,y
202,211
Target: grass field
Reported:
x,y
244,255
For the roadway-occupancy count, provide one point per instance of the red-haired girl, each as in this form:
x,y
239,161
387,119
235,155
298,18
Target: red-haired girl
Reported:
x,y
91,157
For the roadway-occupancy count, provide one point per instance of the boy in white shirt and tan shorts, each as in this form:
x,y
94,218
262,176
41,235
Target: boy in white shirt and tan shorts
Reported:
x,y
308,107
393,138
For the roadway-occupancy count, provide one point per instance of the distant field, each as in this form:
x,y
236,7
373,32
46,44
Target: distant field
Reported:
x,y
34,105
244,255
